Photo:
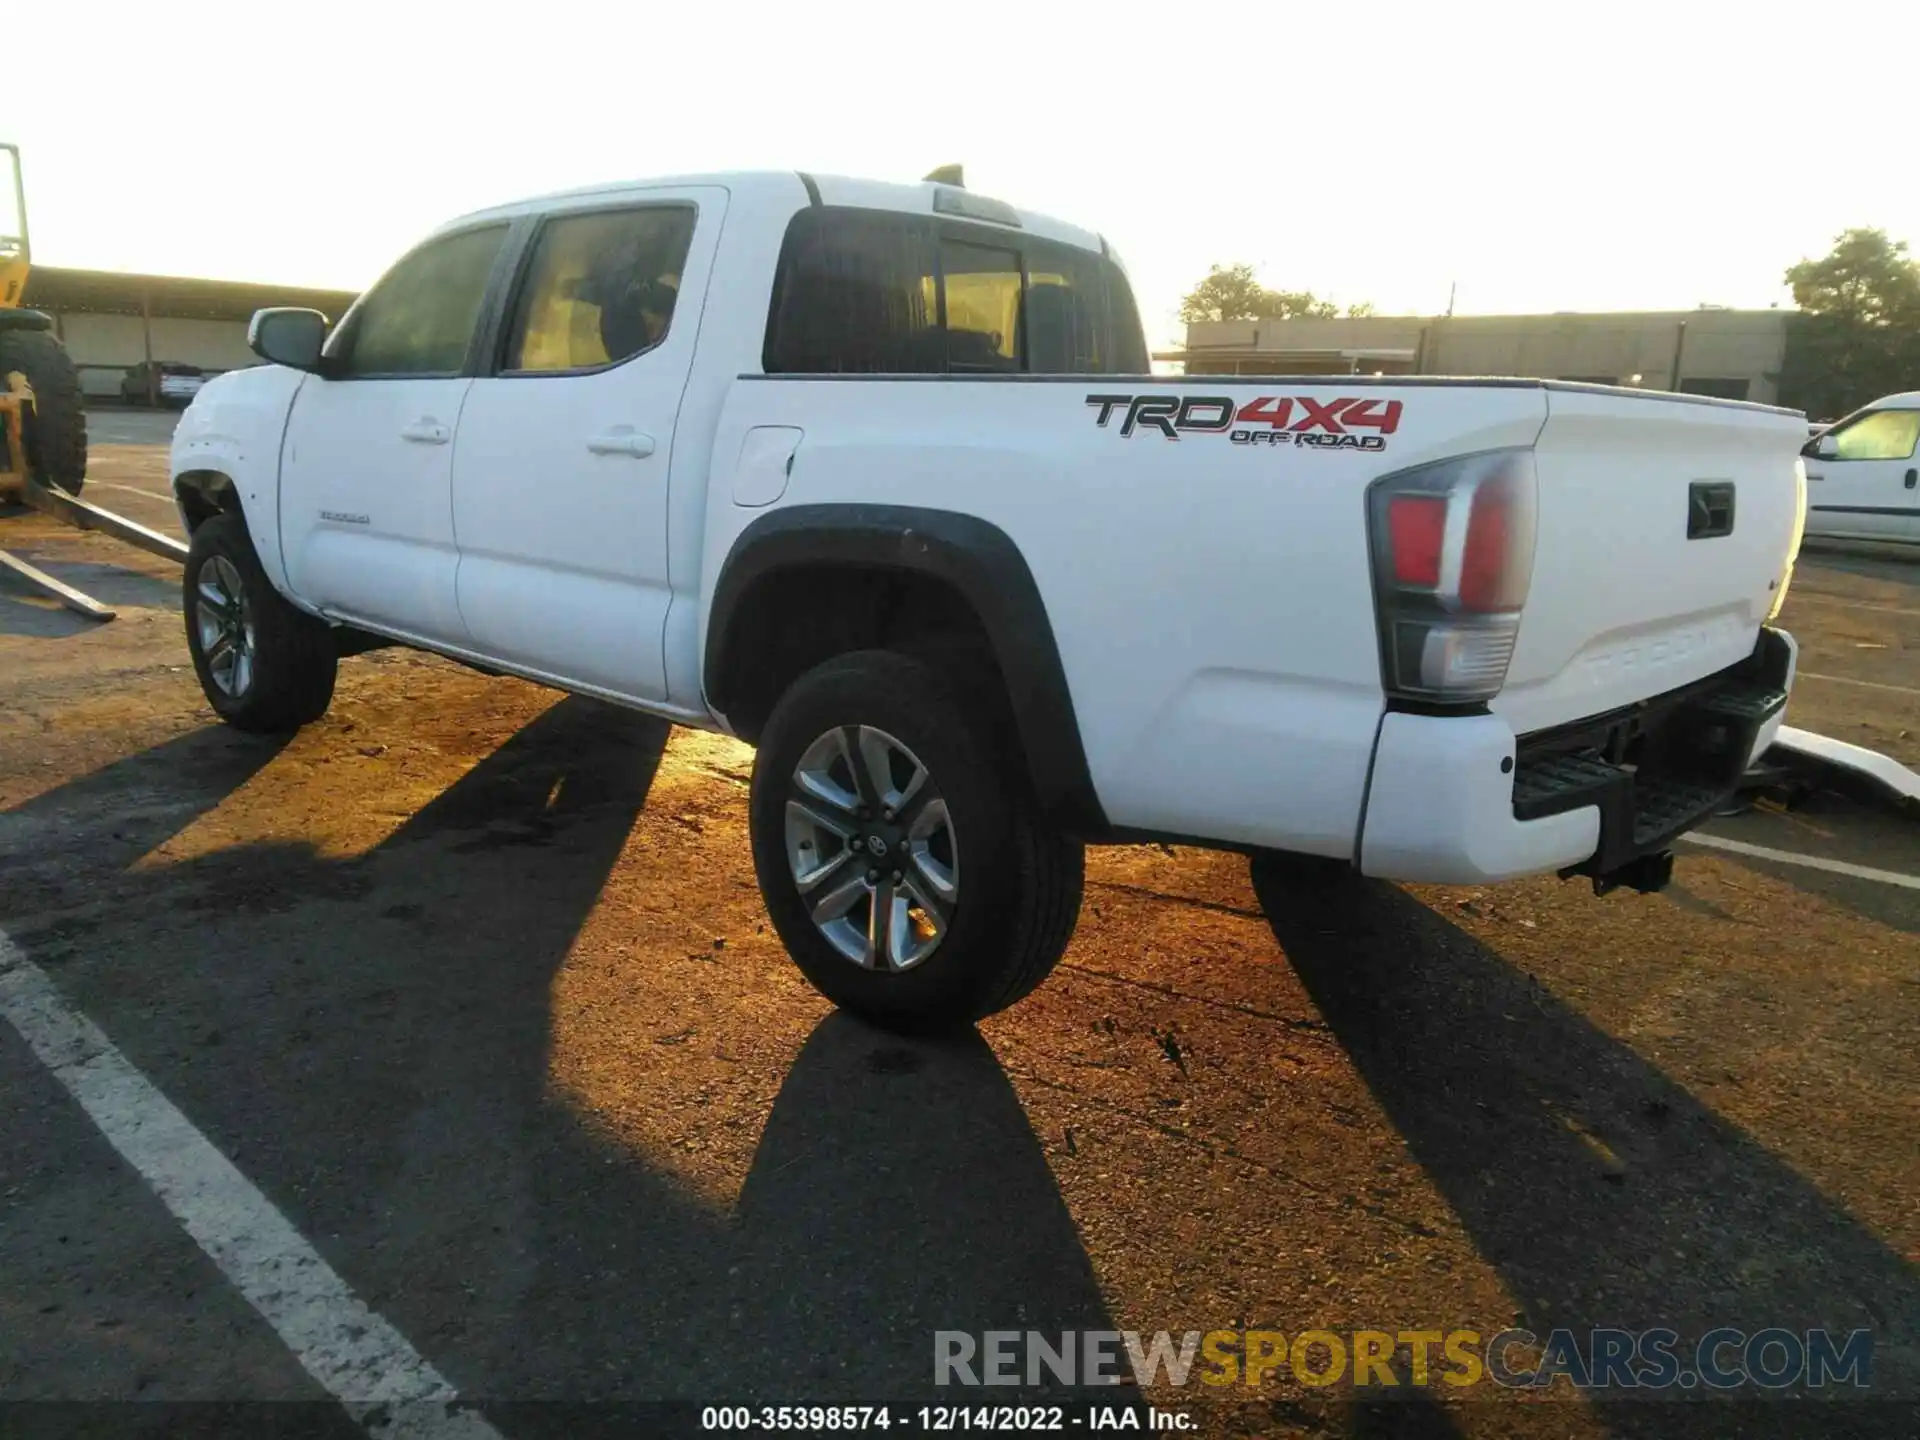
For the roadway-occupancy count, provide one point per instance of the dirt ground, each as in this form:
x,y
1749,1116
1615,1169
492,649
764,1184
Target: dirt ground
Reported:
x,y
472,980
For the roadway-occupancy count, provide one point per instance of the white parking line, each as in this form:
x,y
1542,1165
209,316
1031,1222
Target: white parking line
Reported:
x,y
364,1362
1849,680
1811,862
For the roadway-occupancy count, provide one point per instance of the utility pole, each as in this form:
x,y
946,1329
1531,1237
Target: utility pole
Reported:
x,y
1453,288
146,346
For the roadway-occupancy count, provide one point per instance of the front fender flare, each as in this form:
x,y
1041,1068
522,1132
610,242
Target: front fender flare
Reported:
x,y
230,436
219,471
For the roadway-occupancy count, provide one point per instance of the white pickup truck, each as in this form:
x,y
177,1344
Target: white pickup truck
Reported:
x,y
874,477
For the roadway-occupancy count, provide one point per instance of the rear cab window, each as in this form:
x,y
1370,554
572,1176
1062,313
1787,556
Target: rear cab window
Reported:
x,y
880,292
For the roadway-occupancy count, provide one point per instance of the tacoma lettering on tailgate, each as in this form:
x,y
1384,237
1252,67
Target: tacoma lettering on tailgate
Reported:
x,y
1652,654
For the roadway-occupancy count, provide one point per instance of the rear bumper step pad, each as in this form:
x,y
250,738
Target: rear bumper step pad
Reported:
x,y
1657,770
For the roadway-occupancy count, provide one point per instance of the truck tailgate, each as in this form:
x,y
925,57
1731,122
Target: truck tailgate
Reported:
x,y
1635,591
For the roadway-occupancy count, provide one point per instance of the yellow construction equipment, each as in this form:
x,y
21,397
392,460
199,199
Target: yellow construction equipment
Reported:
x,y
43,420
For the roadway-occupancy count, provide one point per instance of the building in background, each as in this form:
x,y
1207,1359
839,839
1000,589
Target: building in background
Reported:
x,y
1734,354
117,325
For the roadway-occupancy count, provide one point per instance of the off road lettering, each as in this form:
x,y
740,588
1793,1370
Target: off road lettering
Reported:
x,y
1299,421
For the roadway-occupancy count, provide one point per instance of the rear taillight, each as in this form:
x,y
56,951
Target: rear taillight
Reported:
x,y
1417,530
1452,559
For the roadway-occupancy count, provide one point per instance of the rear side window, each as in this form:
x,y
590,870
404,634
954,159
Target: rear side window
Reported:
x,y
601,288
420,318
871,292
856,293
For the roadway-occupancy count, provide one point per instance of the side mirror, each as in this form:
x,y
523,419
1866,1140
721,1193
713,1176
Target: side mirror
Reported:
x,y
288,336
1824,447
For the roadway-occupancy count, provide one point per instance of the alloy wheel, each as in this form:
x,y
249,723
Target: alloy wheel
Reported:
x,y
872,849
224,624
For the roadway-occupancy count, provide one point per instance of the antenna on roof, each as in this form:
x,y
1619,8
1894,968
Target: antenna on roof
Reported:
x,y
947,175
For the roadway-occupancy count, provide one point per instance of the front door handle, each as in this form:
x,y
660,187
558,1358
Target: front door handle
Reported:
x,y
427,431
622,440
1913,478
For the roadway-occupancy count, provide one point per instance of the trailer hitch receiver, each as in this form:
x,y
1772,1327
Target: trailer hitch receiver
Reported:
x,y
1648,874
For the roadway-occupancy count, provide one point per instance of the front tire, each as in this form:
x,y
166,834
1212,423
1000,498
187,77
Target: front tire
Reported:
x,y
901,857
263,665
56,426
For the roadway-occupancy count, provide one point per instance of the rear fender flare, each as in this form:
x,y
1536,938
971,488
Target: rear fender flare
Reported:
x,y
979,561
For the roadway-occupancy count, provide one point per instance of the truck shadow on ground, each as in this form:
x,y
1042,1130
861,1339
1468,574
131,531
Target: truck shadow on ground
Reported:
x,y
1603,1192
369,1040
127,807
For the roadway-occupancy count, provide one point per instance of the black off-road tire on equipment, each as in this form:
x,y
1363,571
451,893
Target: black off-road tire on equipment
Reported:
x,y
263,665
995,931
56,426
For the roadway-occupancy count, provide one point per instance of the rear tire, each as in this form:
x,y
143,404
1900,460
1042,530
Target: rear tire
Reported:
x,y
263,665
56,427
947,959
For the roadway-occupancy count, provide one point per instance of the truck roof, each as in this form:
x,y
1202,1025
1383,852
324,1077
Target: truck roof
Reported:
x,y
791,188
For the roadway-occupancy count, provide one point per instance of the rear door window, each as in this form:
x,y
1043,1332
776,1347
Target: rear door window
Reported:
x,y
600,289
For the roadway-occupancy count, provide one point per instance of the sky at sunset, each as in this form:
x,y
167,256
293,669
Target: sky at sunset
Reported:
x,y
1541,156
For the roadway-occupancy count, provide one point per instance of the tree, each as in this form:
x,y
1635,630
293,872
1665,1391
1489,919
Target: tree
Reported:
x,y
1230,292
1866,279
1857,335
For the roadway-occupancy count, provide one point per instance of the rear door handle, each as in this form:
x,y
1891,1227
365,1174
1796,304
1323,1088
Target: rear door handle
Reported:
x,y
1913,478
622,440
427,431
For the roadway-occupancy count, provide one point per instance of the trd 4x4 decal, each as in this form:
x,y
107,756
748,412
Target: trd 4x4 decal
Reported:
x,y
1267,420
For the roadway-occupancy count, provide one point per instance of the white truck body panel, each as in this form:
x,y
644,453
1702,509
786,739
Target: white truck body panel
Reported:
x,y
367,469
234,428
1211,595
1212,602
574,577
1623,604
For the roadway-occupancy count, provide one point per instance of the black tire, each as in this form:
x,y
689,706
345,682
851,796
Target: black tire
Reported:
x,y
292,660
1018,897
56,428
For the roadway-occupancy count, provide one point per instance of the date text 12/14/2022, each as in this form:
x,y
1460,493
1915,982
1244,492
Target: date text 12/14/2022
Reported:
x,y
939,1419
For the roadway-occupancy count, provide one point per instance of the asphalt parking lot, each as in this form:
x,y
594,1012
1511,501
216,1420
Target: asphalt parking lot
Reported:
x,y
471,982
